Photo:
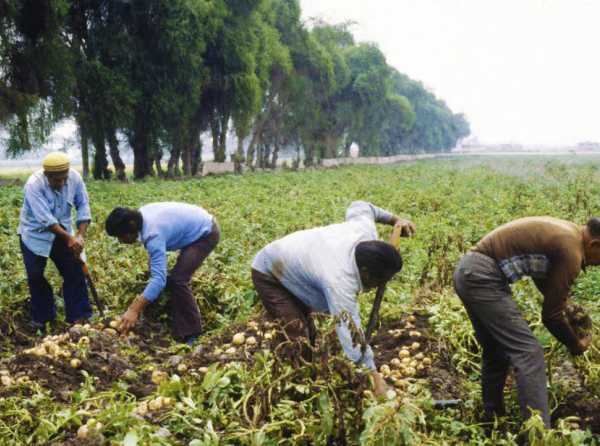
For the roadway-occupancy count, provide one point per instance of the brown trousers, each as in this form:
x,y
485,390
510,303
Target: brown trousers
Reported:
x,y
185,314
283,305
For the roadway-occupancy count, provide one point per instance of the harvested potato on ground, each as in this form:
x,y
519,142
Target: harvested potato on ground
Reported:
x,y
238,339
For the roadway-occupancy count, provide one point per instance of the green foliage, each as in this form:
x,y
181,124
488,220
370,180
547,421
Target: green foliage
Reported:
x,y
163,72
269,401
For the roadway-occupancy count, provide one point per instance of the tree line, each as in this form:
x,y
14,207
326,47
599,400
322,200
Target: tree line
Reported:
x,y
160,73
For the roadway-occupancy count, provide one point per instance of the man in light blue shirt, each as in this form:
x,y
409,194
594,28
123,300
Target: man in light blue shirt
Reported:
x,y
163,227
323,269
45,230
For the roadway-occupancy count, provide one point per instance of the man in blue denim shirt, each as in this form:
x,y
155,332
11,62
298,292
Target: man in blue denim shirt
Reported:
x,y
161,228
45,231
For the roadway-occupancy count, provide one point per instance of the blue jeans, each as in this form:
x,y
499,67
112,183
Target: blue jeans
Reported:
x,y
75,293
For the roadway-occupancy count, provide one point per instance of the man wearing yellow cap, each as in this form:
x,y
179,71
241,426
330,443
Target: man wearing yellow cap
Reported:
x,y
45,231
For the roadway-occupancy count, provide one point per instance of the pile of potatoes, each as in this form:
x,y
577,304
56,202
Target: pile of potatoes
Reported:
x,y
154,405
92,427
410,361
242,341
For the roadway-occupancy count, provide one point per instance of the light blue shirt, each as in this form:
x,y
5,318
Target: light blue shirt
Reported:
x,y
319,268
169,226
44,207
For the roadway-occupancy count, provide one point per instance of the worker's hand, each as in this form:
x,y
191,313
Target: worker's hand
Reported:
x,y
128,320
406,228
75,244
585,342
380,388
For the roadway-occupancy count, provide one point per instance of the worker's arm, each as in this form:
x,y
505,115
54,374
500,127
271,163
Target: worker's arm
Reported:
x,y
158,278
345,307
363,209
82,205
73,243
556,290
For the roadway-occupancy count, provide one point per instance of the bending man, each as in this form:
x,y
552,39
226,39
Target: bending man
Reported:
x,y
45,231
163,227
323,269
552,252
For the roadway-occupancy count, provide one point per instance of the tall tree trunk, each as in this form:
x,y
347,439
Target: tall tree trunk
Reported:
x,y
173,164
309,155
187,159
239,154
157,159
196,155
219,129
214,131
85,153
100,170
275,155
140,142
115,156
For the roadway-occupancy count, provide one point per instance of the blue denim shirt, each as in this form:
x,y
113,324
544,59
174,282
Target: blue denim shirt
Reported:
x,y
318,266
166,227
44,207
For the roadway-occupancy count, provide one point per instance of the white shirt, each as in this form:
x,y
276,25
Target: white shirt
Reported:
x,y
318,266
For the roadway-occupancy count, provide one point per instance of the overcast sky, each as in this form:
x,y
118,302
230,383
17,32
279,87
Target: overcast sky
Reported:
x,y
521,70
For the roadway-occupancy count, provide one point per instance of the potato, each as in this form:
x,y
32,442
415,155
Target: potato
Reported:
x,y
410,371
238,339
23,380
411,318
6,380
142,409
406,360
110,331
155,404
415,346
251,341
182,368
203,369
404,353
391,394
419,356
385,369
83,432
84,340
268,336
114,324
426,361
75,363
414,334
395,362
231,350
158,376
253,325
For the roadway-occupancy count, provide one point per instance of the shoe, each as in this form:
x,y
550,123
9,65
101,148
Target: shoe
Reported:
x,y
37,328
191,339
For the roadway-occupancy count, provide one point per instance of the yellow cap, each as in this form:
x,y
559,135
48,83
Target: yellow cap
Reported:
x,y
56,162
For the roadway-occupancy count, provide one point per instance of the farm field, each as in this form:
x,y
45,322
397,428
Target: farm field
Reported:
x,y
148,390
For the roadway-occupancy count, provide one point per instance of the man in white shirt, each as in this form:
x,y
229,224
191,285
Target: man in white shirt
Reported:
x,y
323,269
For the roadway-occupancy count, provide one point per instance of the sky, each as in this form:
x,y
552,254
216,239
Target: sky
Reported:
x,y
523,71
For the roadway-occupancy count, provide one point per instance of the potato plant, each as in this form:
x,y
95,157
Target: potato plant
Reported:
x,y
243,382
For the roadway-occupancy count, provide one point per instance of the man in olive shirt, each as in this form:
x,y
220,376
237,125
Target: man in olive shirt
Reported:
x,y
552,252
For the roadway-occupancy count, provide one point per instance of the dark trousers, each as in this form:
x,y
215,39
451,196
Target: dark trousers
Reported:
x,y
75,293
283,305
504,335
185,314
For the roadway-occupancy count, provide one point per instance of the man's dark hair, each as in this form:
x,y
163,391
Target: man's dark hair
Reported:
x,y
379,258
593,226
123,221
